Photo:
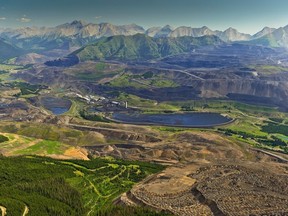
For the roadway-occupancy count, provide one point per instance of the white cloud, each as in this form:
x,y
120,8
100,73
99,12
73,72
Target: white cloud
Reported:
x,y
24,19
2,18
97,17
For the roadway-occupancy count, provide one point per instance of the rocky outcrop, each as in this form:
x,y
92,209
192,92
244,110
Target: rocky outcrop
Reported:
x,y
273,38
263,32
193,32
159,31
230,34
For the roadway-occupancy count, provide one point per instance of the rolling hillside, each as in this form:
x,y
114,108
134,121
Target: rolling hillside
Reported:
x,y
8,51
142,47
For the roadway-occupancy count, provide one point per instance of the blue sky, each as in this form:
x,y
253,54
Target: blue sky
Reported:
x,y
247,16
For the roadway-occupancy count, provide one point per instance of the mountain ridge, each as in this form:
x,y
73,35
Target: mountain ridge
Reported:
x,y
68,37
8,50
142,47
276,38
91,31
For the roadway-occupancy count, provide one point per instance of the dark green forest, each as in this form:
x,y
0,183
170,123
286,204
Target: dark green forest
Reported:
x,y
51,187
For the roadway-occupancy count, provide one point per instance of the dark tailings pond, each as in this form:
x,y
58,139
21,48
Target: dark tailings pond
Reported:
x,y
57,106
179,119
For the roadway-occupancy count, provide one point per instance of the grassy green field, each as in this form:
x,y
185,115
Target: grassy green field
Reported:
x,y
139,81
51,187
6,69
26,88
90,76
269,69
23,145
145,104
46,147
92,72
52,133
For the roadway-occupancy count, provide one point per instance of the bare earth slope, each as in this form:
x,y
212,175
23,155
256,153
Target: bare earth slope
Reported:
x,y
219,178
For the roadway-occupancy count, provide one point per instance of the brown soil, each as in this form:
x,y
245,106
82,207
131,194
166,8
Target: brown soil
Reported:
x,y
76,153
214,176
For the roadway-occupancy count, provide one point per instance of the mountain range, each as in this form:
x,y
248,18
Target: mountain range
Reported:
x,y
67,36
273,37
84,30
8,51
142,47
55,42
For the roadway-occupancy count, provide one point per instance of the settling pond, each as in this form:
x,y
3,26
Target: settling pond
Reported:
x,y
178,119
56,105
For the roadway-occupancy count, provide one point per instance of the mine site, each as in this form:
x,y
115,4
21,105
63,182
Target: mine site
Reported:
x,y
112,119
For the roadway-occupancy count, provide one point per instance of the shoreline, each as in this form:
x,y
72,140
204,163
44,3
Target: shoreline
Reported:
x,y
170,125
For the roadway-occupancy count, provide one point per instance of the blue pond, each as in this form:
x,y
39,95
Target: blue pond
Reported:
x,y
179,119
58,110
57,106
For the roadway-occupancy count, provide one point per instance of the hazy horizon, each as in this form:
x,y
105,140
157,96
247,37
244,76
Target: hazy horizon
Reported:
x,y
245,16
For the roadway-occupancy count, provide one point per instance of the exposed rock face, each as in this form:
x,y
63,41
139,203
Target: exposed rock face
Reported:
x,y
159,31
194,32
280,36
228,35
66,36
273,38
75,28
151,32
263,32
233,35
108,148
71,36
